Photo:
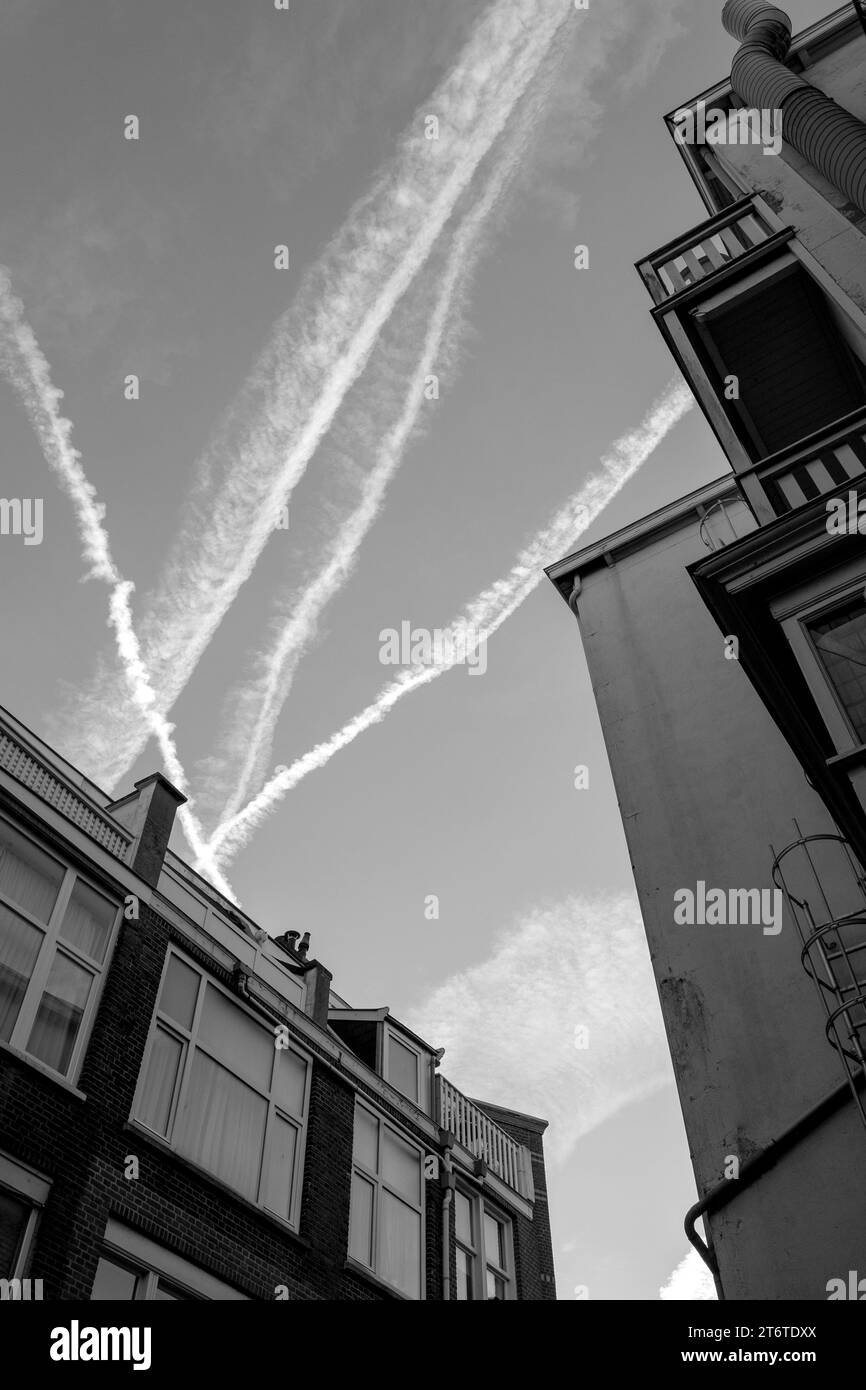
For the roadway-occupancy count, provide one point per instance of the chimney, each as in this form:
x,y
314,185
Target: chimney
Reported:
x,y
149,813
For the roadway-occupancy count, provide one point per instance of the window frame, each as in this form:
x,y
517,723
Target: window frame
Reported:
x,y
50,947
152,1263
795,612
31,1188
423,1068
481,1206
378,1183
190,1044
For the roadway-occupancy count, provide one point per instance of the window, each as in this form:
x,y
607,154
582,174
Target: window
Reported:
x,y
22,1195
387,1213
404,1070
839,638
134,1268
55,935
484,1250
216,1088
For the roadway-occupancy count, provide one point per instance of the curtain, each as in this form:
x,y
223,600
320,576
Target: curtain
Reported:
x,y
399,1244
163,1069
27,876
223,1126
19,947
58,1018
87,921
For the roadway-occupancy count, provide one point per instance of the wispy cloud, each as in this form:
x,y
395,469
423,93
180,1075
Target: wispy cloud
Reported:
x,y
561,1020
25,367
485,614
317,352
257,705
691,1281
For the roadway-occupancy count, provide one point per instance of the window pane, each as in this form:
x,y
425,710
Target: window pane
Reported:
x,y
401,1167
179,992
465,1262
112,1282
19,947
87,921
281,1167
840,638
244,1045
494,1241
167,1293
290,1079
361,1221
163,1068
13,1223
223,1127
366,1139
58,1018
495,1286
402,1069
29,877
463,1218
400,1245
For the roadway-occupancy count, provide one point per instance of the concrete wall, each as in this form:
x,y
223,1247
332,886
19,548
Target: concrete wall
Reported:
x,y
705,782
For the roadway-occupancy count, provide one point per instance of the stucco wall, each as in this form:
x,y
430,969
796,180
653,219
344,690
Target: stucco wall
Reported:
x,y
705,783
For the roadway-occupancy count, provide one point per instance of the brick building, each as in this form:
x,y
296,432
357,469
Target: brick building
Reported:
x,y
188,1110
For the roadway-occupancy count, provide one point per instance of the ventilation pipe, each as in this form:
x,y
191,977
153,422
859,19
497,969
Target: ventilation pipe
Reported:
x,y
829,137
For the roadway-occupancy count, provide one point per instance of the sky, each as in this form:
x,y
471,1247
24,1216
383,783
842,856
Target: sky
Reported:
x,y
332,307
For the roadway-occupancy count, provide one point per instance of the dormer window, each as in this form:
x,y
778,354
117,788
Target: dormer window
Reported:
x,y
405,1061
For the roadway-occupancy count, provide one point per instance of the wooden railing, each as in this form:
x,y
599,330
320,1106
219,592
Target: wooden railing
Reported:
x,y
707,249
822,462
479,1135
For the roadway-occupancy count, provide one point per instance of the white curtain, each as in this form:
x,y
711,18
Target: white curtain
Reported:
x,y
223,1127
27,876
87,921
163,1070
58,1018
19,947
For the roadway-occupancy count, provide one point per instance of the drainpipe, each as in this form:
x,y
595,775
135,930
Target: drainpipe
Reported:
x,y
725,1191
832,139
447,1199
858,5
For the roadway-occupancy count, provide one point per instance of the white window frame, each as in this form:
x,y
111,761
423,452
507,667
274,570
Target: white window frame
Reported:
x,y
190,1044
423,1067
378,1184
31,1188
151,1263
795,612
51,944
481,1261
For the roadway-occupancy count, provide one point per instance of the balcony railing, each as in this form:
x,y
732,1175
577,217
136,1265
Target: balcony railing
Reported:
x,y
478,1134
708,249
824,461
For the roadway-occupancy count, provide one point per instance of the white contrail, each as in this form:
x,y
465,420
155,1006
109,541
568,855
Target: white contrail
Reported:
x,y
317,352
260,703
25,366
485,614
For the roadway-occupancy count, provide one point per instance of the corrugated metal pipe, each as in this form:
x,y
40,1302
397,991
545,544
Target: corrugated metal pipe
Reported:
x,y
829,137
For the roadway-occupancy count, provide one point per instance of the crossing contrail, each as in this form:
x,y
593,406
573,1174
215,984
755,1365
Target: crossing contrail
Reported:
x,y
484,614
259,703
25,367
316,353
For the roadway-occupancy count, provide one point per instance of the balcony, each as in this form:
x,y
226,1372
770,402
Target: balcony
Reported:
x,y
818,465
740,231
479,1136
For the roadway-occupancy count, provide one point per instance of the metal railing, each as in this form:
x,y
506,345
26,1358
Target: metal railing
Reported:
x,y
480,1136
824,886
707,249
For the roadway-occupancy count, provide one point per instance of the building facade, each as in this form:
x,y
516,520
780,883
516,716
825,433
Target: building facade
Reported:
x,y
189,1111
726,640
